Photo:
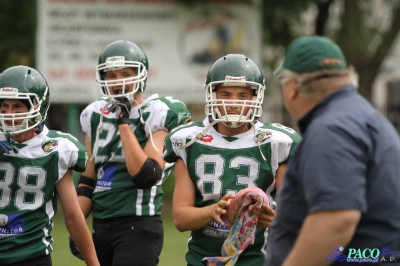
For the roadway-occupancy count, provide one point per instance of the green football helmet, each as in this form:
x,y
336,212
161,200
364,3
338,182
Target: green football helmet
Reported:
x,y
234,70
119,55
30,87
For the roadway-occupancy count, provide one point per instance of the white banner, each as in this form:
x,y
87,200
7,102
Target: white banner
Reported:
x,y
181,43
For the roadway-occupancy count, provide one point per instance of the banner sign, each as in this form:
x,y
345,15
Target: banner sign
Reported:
x,y
180,42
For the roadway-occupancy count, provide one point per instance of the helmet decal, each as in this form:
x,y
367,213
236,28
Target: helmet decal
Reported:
x,y
114,63
11,91
49,145
236,79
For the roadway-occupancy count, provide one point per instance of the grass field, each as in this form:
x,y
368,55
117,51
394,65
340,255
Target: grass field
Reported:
x,y
173,253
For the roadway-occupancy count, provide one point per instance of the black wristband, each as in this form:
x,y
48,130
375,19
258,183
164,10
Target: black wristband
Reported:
x,y
84,191
123,120
86,180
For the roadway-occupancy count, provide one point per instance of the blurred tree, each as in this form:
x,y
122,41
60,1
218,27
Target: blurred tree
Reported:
x,y
17,33
365,30
368,33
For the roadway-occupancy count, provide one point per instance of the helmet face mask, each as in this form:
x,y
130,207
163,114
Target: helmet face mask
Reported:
x,y
120,55
30,87
234,70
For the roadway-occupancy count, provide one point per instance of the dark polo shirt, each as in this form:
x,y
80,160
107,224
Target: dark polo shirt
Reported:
x,y
349,159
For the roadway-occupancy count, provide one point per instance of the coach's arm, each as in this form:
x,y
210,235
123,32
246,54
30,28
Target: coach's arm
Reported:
x,y
320,233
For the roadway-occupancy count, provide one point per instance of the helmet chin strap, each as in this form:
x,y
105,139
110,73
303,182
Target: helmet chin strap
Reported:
x,y
233,121
16,130
233,124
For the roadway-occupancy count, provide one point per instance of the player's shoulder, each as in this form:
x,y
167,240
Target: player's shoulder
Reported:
x,y
280,131
170,100
95,106
167,105
99,101
187,130
65,140
167,102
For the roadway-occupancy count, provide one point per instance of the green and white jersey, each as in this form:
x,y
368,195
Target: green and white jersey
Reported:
x,y
28,199
219,165
115,194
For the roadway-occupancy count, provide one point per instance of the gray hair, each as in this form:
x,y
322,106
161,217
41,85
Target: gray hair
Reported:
x,y
310,84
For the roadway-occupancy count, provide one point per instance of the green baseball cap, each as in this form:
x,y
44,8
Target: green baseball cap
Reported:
x,y
312,53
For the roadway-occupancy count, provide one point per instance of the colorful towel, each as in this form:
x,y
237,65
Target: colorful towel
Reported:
x,y
242,218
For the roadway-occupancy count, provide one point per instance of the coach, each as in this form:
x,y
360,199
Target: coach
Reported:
x,y
340,200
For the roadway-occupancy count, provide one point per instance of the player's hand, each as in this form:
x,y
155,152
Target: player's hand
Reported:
x,y
122,107
74,249
267,214
219,208
7,145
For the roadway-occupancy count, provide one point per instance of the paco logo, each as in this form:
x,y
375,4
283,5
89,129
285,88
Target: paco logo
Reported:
x,y
362,255
207,138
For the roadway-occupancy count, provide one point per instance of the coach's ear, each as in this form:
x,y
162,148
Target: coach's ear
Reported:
x,y
293,90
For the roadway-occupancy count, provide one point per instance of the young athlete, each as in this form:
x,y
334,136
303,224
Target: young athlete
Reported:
x,y
35,167
230,150
124,136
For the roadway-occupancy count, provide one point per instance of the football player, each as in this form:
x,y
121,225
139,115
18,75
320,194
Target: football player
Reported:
x,y
35,167
125,134
228,151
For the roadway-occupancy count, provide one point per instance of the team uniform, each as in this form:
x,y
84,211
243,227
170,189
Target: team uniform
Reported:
x,y
218,165
27,192
115,196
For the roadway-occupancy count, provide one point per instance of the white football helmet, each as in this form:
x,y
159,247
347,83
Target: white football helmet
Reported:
x,y
119,55
29,86
234,70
